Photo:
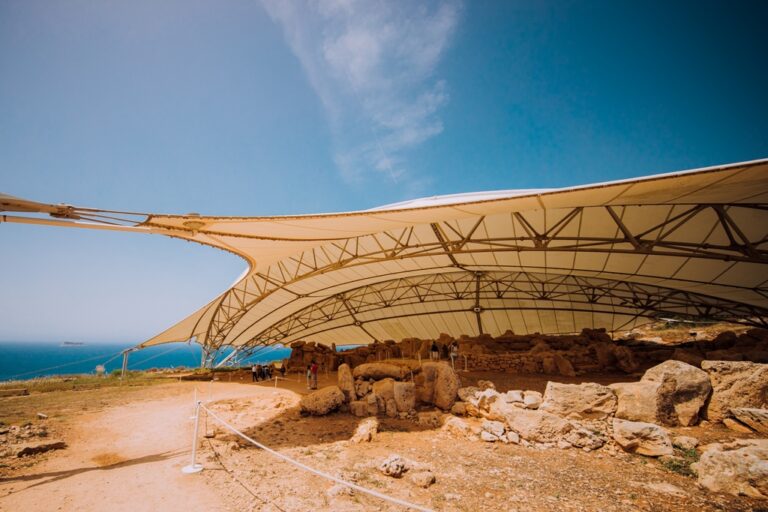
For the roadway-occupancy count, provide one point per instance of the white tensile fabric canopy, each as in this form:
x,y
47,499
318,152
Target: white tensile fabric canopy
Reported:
x,y
689,245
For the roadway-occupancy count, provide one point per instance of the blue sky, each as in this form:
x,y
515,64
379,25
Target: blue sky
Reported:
x,y
274,107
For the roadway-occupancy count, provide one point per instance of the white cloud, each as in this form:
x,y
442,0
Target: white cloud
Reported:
x,y
372,65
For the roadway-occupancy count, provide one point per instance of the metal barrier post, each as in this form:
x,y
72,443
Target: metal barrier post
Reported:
x,y
194,467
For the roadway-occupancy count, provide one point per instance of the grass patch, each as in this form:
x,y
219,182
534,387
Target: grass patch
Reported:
x,y
83,382
59,397
679,466
682,463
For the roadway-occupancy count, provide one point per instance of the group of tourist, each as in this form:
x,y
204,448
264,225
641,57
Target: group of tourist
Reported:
x,y
265,372
448,351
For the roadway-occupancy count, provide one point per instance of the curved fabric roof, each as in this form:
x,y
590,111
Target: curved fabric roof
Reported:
x,y
613,255
691,244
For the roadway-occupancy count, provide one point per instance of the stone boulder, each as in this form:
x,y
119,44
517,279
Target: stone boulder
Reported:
x,y
636,400
347,383
377,371
394,466
467,393
366,431
429,419
683,391
625,359
322,401
496,428
564,366
736,426
755,419
404,395
735,384
642,438
583,438
437,384
384,389
579,401
671,393
532,399
536,426
425,383
423,478
457,426
686,443
739,468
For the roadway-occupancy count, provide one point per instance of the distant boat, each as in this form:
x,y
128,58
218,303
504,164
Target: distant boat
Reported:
x,y
72,344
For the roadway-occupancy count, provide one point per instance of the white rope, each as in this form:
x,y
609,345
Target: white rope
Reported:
x,y
316,471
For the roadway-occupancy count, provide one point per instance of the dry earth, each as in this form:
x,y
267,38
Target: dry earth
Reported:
x,y
126,454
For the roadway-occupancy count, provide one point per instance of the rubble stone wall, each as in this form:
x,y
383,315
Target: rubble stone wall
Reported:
x,y
591,351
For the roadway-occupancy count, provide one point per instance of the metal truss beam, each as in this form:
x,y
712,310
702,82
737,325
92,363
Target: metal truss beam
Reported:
x,y
503,291
666,238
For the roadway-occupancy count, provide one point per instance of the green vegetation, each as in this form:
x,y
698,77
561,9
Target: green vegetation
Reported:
x,y
83,382
681,464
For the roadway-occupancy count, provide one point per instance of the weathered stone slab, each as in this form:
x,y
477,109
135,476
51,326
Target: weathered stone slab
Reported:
x,y
735,384
579,401
322,401
739,468
642,438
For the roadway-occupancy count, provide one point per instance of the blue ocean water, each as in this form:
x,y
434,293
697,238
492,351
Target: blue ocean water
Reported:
x,y
26,360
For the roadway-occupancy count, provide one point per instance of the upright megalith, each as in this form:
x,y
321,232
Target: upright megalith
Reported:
x,y
347,383
437,384
405,396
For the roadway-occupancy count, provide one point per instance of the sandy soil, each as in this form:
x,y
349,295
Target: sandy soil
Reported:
x,y
129,456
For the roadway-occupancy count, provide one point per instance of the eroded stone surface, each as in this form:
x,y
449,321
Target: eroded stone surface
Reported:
x,y
642,438
756,419
737,468
735,384
579,401
322,401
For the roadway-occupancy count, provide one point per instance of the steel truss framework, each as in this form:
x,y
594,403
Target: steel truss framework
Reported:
x,y
728,241
487,291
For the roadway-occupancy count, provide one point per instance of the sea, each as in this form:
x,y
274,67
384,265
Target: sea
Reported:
x,y
28,360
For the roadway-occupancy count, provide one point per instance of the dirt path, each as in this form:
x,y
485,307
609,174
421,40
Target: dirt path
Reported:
x,y
123,458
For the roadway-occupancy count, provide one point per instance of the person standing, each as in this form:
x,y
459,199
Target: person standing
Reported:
x,y
254,373
434,352
454,353
313,369
309,376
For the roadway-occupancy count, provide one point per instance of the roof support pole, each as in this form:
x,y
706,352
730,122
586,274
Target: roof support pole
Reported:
x,y
125,363
478,308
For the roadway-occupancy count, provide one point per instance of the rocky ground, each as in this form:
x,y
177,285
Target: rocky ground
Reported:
x,y
469,474
120,443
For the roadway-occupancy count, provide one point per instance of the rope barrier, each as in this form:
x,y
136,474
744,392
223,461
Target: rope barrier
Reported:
x,y
317,472
155,356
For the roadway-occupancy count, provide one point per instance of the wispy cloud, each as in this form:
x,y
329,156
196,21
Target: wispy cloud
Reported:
x,y
372,65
